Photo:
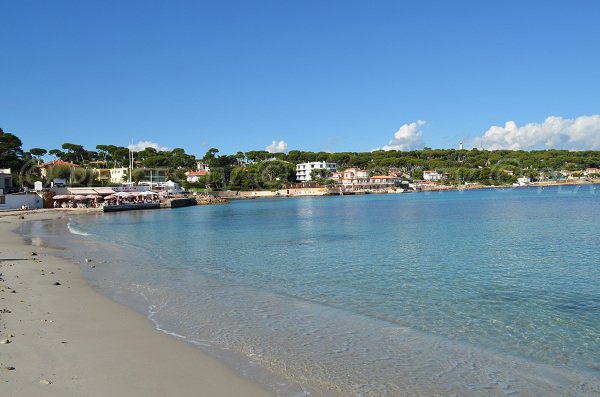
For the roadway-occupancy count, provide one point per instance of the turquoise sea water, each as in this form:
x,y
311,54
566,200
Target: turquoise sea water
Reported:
x,y
475,293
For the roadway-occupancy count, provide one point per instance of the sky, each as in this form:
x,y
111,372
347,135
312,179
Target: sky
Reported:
x,y
312,75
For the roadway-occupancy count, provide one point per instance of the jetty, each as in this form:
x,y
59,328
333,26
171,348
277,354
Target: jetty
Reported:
x,y
130,207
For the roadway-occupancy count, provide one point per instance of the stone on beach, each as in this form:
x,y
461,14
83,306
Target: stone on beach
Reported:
x,y
5,341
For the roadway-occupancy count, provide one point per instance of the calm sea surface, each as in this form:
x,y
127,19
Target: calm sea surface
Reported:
x,y
476,293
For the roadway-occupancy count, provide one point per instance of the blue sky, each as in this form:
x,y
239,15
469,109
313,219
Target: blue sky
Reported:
x,y
318,75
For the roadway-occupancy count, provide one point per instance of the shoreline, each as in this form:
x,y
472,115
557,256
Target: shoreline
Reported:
x,y
278,194
67,339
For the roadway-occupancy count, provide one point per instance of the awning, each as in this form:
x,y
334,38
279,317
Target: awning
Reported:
x,y
103,190
82,191
63,197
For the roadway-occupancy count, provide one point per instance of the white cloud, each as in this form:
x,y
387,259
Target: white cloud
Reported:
x,y
277,147
581,133
141,145
408,137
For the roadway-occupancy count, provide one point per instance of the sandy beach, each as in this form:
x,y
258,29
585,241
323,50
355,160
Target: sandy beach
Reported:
x,y
62,338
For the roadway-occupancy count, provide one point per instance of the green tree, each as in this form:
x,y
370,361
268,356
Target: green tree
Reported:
x,y
11,153
274,174
57,153
210,155
37,153
320,173
75,153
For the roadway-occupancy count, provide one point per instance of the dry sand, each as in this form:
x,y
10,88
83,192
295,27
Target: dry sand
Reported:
x,y
68,340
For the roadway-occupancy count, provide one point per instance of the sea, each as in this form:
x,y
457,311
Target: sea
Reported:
x,y
490,292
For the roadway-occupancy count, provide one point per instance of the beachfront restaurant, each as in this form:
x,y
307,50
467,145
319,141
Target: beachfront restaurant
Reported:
x,y
97,197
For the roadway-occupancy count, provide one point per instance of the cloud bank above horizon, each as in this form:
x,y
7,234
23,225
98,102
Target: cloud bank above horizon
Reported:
x,y
581,133
141,145
408,137
277,147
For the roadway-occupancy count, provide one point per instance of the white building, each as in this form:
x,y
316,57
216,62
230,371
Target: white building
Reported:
x,y
303,170
200,166
5,179
523,181
20,200
432,176
587,172
151,175
194,176
355,179
351,178
118,175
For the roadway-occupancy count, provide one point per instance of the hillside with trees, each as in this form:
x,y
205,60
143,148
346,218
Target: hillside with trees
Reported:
x,y
263,170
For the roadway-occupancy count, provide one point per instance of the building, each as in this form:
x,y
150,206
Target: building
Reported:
x,y
20,200
523,181
200,166
118,175
304,170
432,176
103,174
591,171
351,178
354,179
54,163
150,175
383,182
194,176
6,183
570,174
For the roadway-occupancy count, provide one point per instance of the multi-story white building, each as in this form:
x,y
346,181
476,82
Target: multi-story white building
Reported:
x,y
119,175
355,179
201,166
350,178
303,170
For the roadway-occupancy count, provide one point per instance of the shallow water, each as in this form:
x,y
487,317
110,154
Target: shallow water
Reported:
x,y
493,292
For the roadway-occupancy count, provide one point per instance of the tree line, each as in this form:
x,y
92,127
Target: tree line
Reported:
x,y
258,169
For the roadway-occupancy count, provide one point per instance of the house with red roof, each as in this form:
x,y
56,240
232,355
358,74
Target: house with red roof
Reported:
x,y
194,176
54,163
